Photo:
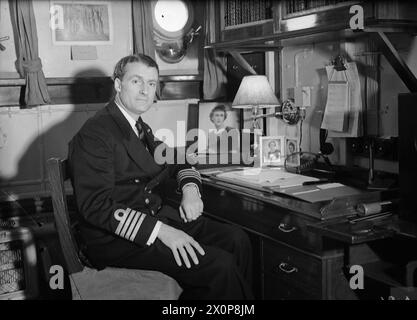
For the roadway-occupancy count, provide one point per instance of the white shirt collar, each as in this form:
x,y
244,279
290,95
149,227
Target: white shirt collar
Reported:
x,y
219,131
128,117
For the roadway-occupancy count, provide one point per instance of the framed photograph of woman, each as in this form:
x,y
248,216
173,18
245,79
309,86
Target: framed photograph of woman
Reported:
x,y
218,126
271,151
291,152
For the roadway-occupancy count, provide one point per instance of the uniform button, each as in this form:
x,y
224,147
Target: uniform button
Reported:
x,y
152,212
137,180
147,201
149,191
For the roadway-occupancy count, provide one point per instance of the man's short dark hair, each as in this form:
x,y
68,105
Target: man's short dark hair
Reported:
x,y
274,142
220,107
120,68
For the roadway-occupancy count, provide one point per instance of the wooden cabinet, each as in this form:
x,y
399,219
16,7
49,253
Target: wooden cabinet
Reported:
x,y
290,19
289,261
299,273
303,15
313,15
240,20
274,222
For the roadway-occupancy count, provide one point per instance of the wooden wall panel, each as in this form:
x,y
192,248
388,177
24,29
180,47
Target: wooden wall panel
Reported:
x,y
98,89
168,120
20,151
9,96
29,137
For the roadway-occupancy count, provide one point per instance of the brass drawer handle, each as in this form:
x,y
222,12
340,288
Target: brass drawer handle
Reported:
x,y
287,268
285,228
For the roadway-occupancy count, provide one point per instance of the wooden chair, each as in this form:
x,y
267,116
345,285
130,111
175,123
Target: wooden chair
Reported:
x,y
110,283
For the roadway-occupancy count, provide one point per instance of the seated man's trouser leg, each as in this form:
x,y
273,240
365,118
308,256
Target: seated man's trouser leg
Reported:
x,y
224,272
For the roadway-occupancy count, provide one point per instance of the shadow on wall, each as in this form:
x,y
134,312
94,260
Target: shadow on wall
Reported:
x,y
46,133
33,136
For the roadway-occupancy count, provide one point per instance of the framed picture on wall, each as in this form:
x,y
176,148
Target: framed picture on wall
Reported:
x,y
218,126
81,22
271,150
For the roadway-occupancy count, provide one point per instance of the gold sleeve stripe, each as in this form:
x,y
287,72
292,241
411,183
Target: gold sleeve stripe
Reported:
x,y
135,231
129,223
184,174
121,215
188,173
133,224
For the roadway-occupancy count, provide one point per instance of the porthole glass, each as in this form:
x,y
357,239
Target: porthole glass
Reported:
x,y
171,15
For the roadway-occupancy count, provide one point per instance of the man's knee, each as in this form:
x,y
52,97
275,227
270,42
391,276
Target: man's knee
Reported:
x,y
240,239
224,262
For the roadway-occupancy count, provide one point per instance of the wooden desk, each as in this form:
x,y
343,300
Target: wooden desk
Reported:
x,y
290,261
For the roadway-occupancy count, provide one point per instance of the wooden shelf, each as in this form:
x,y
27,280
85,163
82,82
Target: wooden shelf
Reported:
x,y
318,9
17,82
76,90
316,34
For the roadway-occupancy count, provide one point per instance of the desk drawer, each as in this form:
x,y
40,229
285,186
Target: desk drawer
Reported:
x,y
277,288
291,273
292,229
261,217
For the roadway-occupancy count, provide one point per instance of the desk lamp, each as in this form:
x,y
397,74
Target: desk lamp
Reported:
x,y
255,92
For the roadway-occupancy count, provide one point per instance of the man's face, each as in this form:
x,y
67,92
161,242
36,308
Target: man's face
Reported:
x,y
218,118
273,146
291,148
137,88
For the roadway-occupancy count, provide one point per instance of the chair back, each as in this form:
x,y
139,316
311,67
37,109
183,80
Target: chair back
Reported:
x,y
58,173
110,283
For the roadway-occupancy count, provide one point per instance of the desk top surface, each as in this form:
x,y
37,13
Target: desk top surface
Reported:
x,y
324,209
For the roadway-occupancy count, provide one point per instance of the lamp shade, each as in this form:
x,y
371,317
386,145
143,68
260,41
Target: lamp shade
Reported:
x,y
255,91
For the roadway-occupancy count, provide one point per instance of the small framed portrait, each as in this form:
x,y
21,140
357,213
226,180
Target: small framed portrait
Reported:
x,y
218,126
271,151
291,152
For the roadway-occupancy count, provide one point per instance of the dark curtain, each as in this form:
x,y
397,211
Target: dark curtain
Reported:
x,y
28,63
143,28
143,41
214,82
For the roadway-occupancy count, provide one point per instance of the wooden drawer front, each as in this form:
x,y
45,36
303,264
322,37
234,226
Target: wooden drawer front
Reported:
x,y
292,229
292,269
261,217
277,288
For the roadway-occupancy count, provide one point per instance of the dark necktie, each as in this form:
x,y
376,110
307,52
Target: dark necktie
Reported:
x,y
140,130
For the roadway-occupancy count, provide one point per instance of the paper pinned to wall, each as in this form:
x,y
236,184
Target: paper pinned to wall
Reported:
x,y
351,75
83,52
336,115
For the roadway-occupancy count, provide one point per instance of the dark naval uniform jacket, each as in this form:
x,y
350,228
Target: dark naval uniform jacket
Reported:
x,y
114,175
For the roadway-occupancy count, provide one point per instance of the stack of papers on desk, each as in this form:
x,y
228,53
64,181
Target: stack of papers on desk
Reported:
x,y
320,192
267,177
277,180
